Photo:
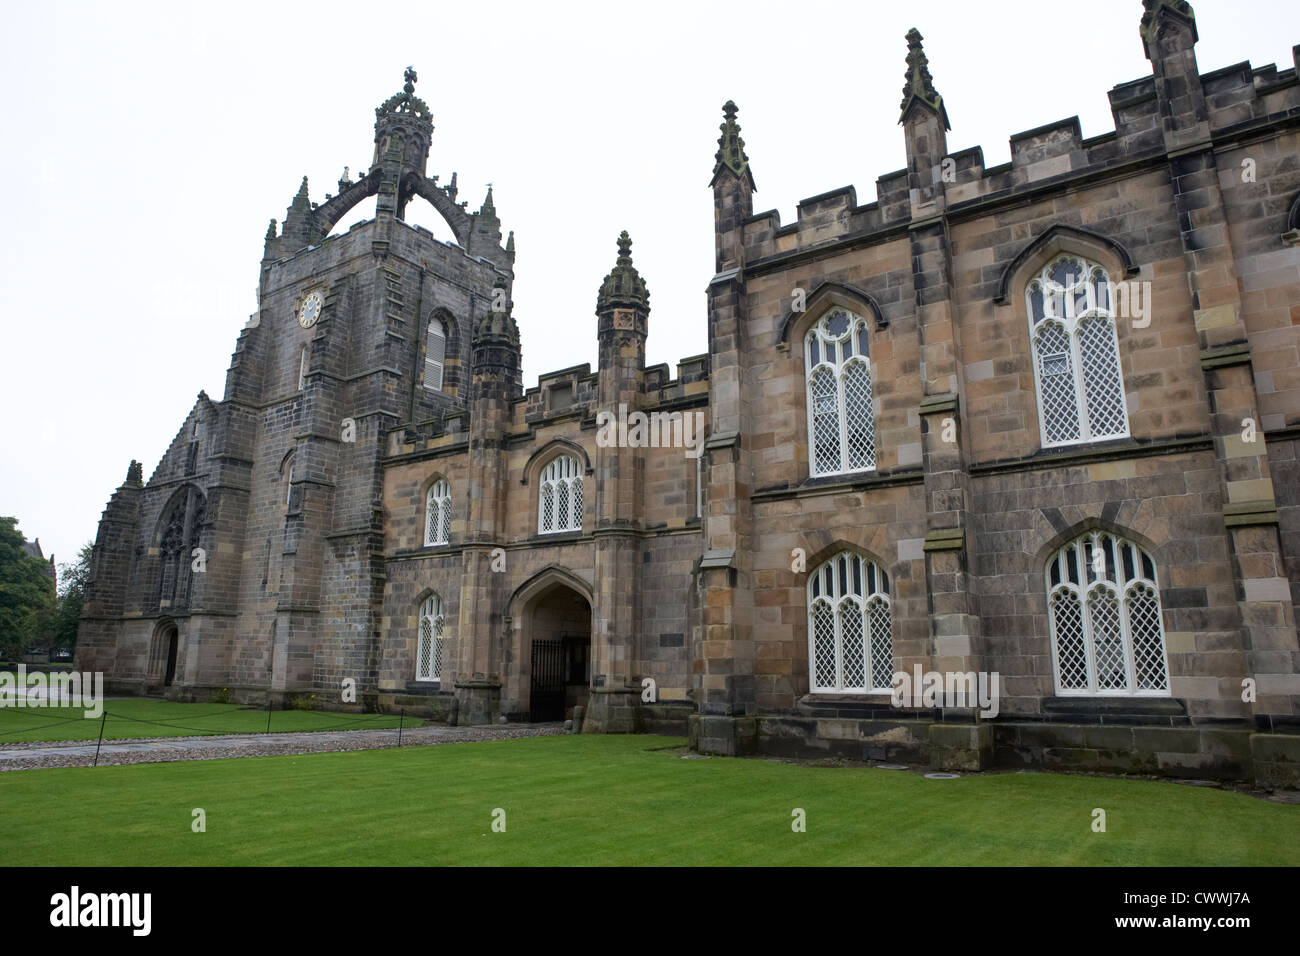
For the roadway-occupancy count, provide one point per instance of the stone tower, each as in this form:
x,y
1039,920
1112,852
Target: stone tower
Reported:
x,y
280,483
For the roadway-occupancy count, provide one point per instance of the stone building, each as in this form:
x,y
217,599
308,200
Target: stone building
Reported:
x,y
1038,420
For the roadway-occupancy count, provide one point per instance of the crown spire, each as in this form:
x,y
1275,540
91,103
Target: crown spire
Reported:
x,y
623,287
918,85
1155,11
731,148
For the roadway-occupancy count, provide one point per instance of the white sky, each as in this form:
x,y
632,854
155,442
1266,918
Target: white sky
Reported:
x,y
147,145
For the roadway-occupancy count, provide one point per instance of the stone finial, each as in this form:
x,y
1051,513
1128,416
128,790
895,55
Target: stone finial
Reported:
x,y
135,474
405,102
302,199
1154,13
497,324
270,231
623,287
488,207
510,243
731,148
918,85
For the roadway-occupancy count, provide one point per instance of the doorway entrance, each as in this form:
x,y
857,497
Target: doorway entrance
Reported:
x,y
560,659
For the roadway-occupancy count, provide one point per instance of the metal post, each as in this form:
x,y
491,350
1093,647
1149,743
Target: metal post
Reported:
x,y
103,718
400,720
268,712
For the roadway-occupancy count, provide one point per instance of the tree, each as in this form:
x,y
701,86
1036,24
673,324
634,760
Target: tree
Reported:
x,y
26,591
73,576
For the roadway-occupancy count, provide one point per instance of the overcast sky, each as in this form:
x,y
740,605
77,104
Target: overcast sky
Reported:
x,y
147,146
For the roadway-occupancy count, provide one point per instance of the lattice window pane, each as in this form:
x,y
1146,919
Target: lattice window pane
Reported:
x,y
882,648
424,653
1071,657
826,421
562,504
854,651
1056,383
1107,640
1103,390
859,421
1148,639
548,507
823,629
576,523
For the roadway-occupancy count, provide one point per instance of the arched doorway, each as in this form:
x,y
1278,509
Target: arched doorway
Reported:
x,y
162,654
559,631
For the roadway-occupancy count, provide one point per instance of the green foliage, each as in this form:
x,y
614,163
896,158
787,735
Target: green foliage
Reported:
x,y
73,576
26,593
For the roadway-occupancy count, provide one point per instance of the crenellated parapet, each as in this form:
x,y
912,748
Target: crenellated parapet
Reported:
x,y
1239,100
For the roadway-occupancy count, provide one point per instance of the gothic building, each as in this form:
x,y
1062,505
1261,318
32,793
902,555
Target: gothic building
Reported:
x,y
1039,420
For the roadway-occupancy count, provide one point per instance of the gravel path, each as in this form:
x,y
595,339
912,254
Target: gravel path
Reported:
x,y
79,753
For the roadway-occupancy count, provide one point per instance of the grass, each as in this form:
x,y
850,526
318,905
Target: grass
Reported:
x,y
615,801
162,718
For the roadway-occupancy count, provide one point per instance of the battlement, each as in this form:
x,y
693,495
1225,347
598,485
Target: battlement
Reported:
x,y
1237,97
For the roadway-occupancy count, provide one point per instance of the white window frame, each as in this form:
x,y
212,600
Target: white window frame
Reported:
x,y
437,513
857,338
1123,587
560,480
430,630
839,595
1060,308
302,370
435,344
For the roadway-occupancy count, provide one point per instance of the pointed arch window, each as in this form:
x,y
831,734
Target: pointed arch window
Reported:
x,y
559,506
850,646
1107,635
1080,386
437,513
841,419
435,353
429,654
180,531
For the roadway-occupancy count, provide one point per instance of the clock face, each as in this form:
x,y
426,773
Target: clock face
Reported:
x,y
310,310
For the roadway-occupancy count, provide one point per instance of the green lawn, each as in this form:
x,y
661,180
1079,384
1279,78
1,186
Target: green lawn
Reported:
x,y
161,718
614,800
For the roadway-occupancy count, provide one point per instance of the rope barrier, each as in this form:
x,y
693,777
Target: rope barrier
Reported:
x,y
170,724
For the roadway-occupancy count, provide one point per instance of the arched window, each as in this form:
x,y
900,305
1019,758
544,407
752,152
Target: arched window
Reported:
x,y
559,507
302,369
435,351
437,513
849,645
429,649
180,530
841,422
1076,353
1107,637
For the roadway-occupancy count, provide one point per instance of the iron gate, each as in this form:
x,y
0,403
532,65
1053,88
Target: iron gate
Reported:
x,y
546,697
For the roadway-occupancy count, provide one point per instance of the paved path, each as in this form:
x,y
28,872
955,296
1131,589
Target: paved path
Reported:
x,y
80,753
